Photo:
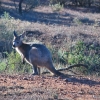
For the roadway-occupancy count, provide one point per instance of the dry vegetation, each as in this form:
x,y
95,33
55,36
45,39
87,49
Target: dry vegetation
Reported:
x,y
59,31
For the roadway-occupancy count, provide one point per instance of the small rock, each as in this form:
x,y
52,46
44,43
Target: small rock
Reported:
x,y
25,78
67,80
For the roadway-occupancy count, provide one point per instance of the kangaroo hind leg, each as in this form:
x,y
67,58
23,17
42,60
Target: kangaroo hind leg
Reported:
x,y
50,66
36,70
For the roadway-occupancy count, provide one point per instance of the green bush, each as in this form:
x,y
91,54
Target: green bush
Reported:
x,y
6,32
56,7
80,54
13,64
6,26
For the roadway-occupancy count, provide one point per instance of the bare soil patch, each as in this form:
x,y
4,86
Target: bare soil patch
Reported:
x,y
25,87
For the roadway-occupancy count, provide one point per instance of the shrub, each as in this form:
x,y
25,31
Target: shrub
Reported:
x,y
12,64
6,27
56,7
74,2
6,32
81,54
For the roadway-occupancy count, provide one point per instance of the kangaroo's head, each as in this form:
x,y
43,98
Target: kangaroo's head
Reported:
x,y
17,41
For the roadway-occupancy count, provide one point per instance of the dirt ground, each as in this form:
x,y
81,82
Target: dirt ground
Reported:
x,y
46,87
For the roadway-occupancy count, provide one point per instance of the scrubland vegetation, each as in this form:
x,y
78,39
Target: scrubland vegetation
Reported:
x,y
71,46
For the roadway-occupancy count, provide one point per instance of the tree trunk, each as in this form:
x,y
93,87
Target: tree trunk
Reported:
x,y
20,6
89,3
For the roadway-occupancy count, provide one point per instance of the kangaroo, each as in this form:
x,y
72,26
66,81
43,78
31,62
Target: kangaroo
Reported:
x,y
37,55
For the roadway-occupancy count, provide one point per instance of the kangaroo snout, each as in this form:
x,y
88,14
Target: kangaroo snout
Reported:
x,y
13,46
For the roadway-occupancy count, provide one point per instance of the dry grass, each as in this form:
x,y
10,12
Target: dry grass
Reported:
x,y
67,21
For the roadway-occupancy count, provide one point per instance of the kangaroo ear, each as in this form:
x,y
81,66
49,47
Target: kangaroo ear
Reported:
x,y
15,34
22,35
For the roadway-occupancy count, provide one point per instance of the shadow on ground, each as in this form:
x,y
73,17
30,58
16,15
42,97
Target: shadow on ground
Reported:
x,y
81,80
48,18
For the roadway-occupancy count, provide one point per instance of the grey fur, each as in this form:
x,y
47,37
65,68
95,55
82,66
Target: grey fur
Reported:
x,y
37,55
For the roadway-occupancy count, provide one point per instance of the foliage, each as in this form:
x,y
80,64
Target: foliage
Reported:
x,y
97,3
56,7
81,54
12,64
85,55
77,21
81,3
26,5
6,26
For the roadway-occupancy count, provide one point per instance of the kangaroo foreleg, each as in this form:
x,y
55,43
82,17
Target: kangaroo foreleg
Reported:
x,y
23,60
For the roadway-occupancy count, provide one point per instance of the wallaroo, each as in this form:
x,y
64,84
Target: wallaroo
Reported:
x,y
37,55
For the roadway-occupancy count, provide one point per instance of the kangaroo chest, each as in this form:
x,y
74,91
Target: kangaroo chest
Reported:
x,y
19,52
24,55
